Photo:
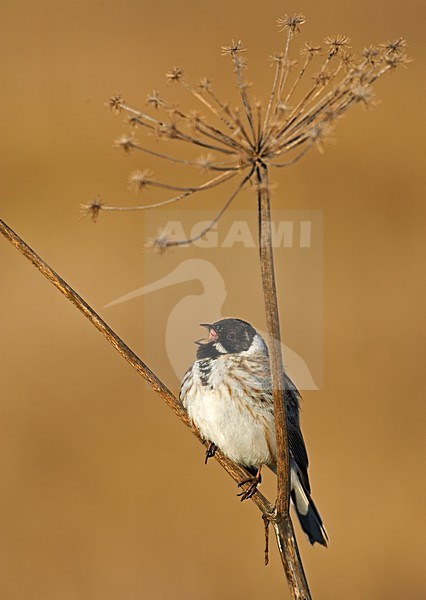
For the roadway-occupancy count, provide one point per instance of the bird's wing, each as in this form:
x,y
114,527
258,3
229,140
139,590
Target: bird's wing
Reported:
x,y
292,398
298,452
295,438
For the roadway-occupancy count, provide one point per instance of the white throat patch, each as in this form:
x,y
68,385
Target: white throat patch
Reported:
x,y
220,348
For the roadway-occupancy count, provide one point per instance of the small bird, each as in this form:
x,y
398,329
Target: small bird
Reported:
x,y
227,393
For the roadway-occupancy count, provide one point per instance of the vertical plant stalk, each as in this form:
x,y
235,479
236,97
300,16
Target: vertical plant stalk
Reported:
x,y
281,520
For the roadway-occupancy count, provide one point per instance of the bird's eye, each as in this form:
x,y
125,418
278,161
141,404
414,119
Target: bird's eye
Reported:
x,y
231,336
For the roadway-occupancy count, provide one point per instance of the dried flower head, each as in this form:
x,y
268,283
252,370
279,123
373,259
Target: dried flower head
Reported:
x,y
92,209
309,51
205,161
283,108
139,180
371,54
290,65
240,62
233,49
319,133
365,95
175,74
393,60
115,103
205,84
322,78
330,115
336,43
348,60
394,46
160,243
133,121
153,99
277,58
126,142
291,24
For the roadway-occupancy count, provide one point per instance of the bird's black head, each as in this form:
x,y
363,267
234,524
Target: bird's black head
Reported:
x,y
228,336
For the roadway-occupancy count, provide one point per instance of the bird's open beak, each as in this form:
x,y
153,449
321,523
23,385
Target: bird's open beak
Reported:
x,y
212,334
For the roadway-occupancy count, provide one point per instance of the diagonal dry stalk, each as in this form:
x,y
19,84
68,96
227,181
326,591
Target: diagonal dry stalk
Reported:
x,y
281,523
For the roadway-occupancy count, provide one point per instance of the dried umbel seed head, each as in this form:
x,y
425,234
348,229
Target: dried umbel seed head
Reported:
x,y
115,103
348,60
277,58
205,161
320,133
241,141
233,49
394,59
364,95
153,99
291,24
160,243
205,84
371,54
139,180
175,74
125,141
322,78
336,43
93,209
310,51
395,46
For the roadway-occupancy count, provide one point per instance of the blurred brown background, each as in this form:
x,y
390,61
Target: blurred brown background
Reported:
x,y
103,493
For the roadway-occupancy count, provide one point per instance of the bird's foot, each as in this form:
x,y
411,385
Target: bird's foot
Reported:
x,y
210,452
253,482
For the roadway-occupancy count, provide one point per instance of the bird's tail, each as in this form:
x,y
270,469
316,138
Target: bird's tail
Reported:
x,y
306,510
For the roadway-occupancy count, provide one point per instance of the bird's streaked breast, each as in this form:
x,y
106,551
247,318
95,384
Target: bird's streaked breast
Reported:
x,y
227,401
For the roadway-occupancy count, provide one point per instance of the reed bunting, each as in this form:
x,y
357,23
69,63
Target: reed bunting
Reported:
x,y
227,393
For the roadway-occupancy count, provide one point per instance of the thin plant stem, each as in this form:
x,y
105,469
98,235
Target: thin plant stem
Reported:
x,y
293,160
138,117
271,99
282,522
95,207
273,326
242,86
198,188
181,161
297,80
